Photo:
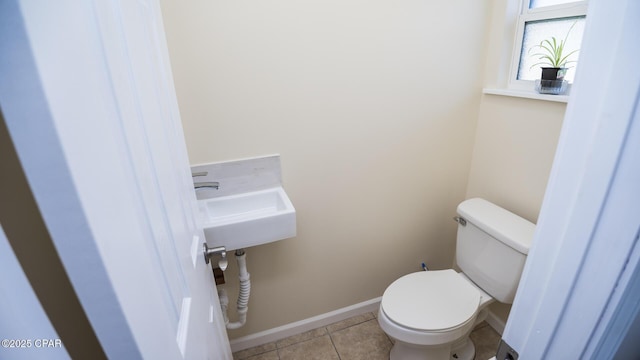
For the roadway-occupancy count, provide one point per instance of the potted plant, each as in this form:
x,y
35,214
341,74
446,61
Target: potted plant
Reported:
x,y
551,53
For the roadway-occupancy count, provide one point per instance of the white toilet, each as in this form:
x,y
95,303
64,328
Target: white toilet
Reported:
x,y
431,313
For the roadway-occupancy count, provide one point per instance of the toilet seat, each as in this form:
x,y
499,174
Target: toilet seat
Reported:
x,y
431,301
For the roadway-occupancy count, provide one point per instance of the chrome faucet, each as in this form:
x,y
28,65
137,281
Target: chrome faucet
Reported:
x,y
205,185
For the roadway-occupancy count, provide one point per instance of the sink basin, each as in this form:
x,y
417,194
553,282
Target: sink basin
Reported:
x,y
248,219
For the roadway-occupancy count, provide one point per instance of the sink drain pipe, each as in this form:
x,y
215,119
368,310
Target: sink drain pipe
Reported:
x,y
243,293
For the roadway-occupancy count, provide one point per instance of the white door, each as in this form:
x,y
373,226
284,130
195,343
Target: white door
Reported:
x,y
578,298
22,315
88,97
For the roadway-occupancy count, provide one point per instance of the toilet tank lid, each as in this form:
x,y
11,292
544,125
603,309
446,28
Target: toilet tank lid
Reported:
x,y
509,228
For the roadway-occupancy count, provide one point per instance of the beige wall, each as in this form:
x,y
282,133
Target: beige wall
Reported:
x,y
373,108
515,144
514,147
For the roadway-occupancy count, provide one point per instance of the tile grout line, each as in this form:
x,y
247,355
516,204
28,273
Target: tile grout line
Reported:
x,y
334,344
350,326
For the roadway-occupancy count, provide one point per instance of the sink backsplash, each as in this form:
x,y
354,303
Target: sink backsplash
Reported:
x,y
239,176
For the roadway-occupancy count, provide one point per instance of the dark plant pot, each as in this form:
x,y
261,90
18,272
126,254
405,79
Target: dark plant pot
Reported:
x,y
553,73
552,81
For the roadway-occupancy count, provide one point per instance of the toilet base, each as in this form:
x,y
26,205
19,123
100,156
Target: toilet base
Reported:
x,y
466,351
404,351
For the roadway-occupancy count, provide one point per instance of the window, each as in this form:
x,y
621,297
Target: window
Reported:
x,y
540,20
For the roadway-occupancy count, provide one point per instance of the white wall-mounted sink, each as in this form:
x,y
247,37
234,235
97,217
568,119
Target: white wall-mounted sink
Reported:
x,y
248,219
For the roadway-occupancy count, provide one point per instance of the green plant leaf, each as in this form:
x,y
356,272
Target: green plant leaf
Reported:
x,y
552,51
566,57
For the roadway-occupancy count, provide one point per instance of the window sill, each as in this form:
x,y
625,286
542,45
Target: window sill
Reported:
x,y
527,94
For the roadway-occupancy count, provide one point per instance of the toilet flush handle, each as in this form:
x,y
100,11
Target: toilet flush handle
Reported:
x,y
460,220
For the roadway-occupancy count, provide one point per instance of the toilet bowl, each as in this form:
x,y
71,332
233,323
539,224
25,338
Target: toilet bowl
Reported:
x,y
430,314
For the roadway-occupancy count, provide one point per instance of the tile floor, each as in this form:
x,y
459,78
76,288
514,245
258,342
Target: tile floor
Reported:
x,y
356,338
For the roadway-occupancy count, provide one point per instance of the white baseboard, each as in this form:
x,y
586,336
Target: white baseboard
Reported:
x,y
495,322
284,331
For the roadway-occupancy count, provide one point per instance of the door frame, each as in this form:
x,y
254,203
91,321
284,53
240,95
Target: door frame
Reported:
x,y
585,254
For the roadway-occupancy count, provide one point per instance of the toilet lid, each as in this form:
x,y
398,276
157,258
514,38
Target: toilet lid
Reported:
x,y
431,300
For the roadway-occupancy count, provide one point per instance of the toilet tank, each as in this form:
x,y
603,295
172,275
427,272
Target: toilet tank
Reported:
x,y
492,246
